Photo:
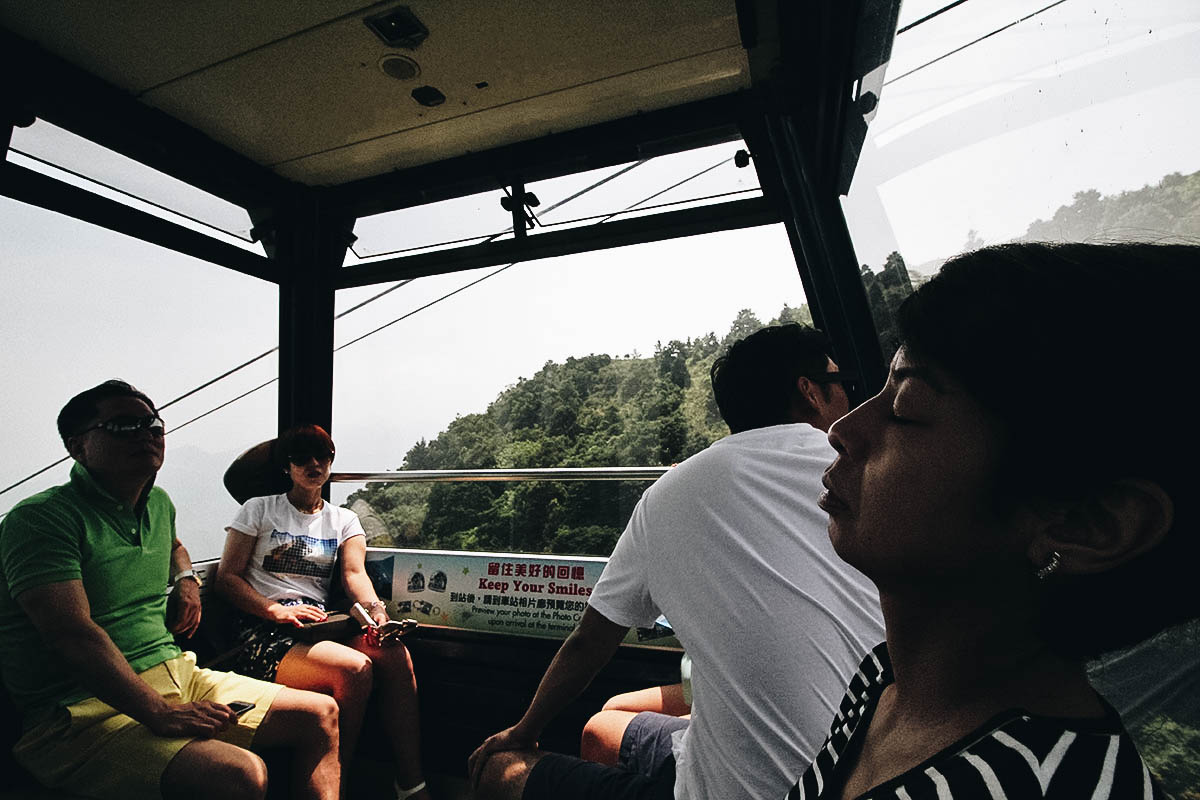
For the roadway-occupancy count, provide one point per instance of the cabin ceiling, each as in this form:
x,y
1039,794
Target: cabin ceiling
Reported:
x,y
298,88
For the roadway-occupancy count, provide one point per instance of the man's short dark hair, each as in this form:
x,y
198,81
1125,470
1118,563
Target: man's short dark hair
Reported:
x,y
754,382
83,407
1080,352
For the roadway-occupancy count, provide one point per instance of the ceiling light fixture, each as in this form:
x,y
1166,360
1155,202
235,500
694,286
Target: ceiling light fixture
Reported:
x,y
402,68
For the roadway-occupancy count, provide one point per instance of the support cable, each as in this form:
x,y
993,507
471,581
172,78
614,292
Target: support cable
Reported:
x,y
929,16
975,41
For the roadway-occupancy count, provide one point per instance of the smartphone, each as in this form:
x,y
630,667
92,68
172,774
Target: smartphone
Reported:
x,y
240,707
361,616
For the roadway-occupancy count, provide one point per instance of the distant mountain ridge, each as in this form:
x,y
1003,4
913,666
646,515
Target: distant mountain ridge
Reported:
x,y
1168,211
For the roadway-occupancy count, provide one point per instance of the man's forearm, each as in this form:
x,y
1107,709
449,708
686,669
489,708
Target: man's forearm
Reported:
x,y
577,662
102,669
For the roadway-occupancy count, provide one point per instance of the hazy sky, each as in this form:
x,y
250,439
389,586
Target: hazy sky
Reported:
x,y
1085,95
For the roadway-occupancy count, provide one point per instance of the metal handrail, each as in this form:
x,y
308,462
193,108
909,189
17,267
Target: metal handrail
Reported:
x,y
469,475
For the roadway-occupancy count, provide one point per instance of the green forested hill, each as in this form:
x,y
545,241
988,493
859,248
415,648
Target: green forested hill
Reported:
x,y
1165,210
590,411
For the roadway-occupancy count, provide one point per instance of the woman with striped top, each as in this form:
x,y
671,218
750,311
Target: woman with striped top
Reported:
x,y
1020,494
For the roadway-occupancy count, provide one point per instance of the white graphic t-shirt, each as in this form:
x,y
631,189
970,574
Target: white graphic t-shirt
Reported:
x,y
295,554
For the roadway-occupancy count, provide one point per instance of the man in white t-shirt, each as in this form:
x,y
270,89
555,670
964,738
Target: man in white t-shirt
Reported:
x,y
732,548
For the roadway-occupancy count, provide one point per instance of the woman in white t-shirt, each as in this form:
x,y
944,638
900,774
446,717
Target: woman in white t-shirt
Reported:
x,y
278,564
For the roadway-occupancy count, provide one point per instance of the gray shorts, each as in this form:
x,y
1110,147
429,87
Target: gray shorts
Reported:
x,y
647,770
647,741
556,776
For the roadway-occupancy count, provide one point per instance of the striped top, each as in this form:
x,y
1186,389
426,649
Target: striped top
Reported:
x,y
1014,755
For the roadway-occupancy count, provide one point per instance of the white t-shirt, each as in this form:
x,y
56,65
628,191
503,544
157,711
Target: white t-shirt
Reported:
x,y
296,552
732,548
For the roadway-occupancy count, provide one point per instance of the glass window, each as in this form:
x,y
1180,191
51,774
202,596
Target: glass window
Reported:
x,y
63,155
593,360
1072,123
474,219
82,305
1015,121
667,183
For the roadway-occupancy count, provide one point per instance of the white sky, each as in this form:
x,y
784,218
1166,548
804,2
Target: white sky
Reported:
x,y
1087,95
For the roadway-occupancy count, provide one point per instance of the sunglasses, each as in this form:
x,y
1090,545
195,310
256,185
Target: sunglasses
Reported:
x,y
300,459
128,427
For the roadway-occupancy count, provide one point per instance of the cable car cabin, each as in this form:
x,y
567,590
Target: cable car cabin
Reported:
x,y
498,245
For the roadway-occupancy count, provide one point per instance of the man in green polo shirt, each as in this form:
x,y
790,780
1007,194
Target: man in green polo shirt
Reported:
x,y
110,706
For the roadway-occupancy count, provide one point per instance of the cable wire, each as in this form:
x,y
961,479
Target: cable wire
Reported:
x,y
929,16
975,42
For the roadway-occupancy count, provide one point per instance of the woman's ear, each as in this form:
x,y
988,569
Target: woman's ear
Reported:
x,y
1113,525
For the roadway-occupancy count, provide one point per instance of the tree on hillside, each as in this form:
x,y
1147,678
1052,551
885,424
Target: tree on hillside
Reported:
x,y
885,291
744,324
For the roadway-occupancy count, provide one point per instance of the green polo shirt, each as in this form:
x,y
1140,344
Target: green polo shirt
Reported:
x,y
78,531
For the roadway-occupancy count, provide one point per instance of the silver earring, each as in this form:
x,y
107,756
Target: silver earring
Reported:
x,y
1051,566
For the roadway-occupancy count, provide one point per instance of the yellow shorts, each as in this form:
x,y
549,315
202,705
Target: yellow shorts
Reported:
x,y
90,749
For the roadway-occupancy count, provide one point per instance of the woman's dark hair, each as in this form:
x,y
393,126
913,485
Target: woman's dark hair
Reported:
x,y
301,440
754,382
83,407
1080,351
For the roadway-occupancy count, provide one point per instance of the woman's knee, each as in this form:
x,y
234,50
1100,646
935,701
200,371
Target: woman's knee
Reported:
x,y
395,663
345,672
601,738
356,673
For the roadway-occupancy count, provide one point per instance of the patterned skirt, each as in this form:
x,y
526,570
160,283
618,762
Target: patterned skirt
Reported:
x,y
263,643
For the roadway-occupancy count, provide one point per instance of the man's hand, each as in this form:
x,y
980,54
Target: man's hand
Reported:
x,y
298,615
202,719
508,739
186,602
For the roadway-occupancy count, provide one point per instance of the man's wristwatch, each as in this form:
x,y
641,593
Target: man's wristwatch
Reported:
x,y
188,573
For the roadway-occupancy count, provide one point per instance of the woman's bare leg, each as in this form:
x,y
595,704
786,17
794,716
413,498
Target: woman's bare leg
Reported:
x,y
396,687
662,699
601,738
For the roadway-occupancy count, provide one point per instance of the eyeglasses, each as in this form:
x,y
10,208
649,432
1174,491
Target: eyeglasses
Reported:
x,y
300,459
128,427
